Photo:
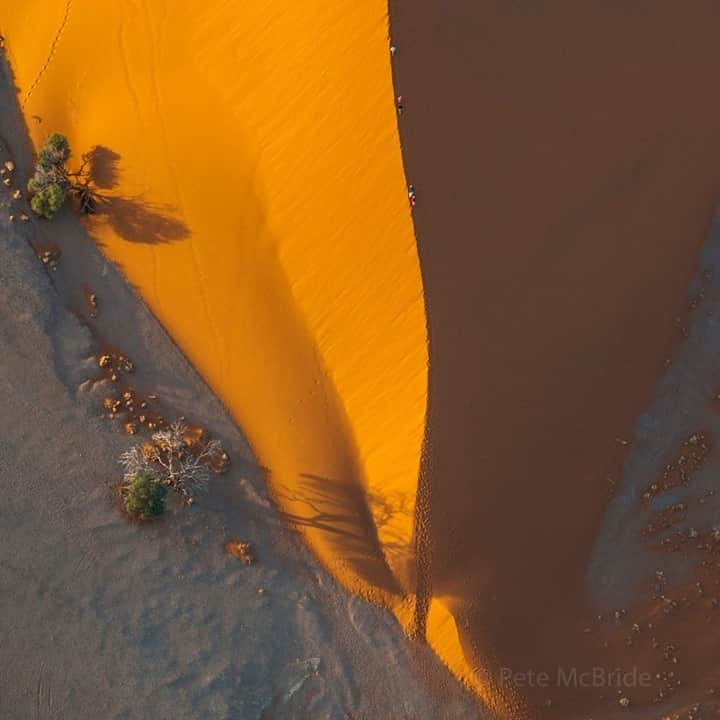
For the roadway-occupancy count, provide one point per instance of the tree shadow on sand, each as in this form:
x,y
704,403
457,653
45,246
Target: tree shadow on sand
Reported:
x,y
132,218
339,510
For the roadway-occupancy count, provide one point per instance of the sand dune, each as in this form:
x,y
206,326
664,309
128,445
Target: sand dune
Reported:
x,y
260,209
565,164
104,619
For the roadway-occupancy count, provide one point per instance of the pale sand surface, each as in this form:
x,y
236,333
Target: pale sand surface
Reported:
x,y
101,619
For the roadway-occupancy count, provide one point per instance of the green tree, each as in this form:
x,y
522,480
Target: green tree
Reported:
x,y
48,200
144,496
50,184
56,151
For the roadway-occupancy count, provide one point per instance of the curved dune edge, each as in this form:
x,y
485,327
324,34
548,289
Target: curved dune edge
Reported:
x,y
444,638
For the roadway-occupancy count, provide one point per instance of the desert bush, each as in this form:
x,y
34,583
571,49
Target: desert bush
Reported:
x,y
144,496
48,200
174,459
52,182
56,151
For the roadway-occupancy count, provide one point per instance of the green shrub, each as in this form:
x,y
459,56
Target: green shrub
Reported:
x,y
47,201
56,151
144,497
51,182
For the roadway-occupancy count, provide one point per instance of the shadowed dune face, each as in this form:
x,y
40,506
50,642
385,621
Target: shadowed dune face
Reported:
x,y
566,159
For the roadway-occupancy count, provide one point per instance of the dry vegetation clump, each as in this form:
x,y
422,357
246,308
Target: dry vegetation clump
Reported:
x,y
177,458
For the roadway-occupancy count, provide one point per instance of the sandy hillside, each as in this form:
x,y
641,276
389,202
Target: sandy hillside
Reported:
x,y
101,619
256,199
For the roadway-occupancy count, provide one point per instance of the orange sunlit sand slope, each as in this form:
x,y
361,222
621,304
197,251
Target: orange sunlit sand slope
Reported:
x,y
260,207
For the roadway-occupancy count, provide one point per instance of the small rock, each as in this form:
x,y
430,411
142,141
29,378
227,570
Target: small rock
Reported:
x,y
9,165
17,194
24,217
241,550
7,182
624,702
130,428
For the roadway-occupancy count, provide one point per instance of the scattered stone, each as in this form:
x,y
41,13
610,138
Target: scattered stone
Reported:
x,y
9,165
243,551
24,217
125,364
92,303
130,428
17,194
624,702
49,255
7,182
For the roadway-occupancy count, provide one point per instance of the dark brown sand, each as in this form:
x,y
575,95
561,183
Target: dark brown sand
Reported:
x,y
566,159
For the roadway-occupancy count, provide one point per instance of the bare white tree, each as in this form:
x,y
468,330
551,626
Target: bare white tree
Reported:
x,y
174,460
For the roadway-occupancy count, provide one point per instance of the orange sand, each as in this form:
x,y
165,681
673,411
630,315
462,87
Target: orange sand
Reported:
x,y
273,240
